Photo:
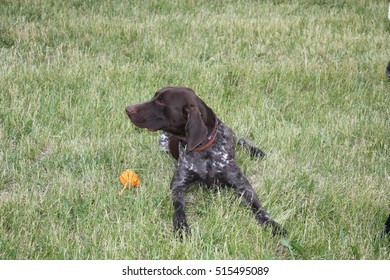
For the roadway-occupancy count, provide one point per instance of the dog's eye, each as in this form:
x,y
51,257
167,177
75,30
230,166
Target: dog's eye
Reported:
x,y
160,100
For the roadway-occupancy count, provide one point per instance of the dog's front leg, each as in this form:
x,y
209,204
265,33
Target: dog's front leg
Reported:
x,y
179,185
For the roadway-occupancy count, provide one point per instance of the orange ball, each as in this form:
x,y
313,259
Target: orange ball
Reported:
x,y
129,178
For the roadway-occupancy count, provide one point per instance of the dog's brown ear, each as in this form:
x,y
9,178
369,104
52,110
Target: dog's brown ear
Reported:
x,y
196,130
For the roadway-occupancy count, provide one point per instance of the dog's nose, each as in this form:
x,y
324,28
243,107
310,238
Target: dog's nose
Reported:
x,y
133,113
131,110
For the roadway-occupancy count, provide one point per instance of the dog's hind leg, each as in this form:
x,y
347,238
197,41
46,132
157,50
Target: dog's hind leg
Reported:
x,y
239,182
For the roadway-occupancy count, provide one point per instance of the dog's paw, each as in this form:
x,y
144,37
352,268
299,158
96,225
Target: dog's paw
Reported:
x,y
182,229
180,226
277,230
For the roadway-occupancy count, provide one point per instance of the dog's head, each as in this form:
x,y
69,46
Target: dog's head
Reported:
x,y
176,110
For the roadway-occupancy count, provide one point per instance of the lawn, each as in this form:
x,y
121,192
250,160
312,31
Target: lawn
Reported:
x,y
304,80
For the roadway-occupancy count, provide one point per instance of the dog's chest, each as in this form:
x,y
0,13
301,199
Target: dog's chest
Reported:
x,y
213,162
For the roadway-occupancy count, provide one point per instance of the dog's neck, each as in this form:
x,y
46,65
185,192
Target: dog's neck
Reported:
x,y
210,138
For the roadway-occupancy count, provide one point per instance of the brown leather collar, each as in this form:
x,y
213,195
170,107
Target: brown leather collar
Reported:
x,y
209,140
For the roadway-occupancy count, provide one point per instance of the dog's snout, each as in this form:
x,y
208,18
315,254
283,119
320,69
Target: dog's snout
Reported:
x,y
133,113
131,110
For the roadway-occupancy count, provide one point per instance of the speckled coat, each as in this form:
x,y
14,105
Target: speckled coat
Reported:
x,y
203,146
213,166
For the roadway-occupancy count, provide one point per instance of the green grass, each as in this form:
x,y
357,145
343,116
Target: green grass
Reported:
x,y
303,79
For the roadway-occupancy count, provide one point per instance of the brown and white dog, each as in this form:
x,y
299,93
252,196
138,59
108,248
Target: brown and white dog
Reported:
x,y
203,146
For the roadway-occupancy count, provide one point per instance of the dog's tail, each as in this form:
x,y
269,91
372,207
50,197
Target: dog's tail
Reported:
x,y
253,150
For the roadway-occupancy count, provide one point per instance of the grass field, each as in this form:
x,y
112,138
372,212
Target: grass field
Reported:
x,y
304,80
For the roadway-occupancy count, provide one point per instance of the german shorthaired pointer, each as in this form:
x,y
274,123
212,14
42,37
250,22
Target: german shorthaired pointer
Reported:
x,y
203,146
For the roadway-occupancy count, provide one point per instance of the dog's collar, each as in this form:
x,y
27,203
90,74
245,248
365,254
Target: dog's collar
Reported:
x,y
209,140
